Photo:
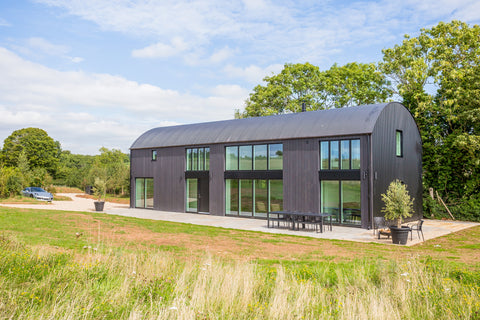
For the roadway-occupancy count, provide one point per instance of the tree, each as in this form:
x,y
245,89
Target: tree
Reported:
x,y
41,150
349,85
112,166
438,76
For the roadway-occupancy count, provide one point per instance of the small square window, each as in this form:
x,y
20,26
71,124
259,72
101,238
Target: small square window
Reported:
x,y
399,143
154,155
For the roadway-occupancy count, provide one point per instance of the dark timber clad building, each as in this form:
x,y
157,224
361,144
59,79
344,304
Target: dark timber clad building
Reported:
x,y
338,161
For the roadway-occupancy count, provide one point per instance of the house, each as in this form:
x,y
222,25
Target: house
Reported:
x,y
337,161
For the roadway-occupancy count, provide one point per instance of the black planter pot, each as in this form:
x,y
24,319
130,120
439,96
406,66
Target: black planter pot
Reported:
x,y
99,205
400,235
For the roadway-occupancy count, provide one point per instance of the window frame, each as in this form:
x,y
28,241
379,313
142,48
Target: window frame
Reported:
x,y
399,143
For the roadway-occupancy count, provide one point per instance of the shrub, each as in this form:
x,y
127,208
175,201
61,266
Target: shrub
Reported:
x,y
398,203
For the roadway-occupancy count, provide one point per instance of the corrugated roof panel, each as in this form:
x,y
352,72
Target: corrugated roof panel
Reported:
x,y
323,123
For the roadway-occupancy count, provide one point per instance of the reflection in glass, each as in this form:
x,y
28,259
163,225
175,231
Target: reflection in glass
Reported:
x,y
245,157
345,152
231,158
207,159
356,154
351,202
334,155
261,198
276,195
201,159
149,193
260,157
231,196
195,159
324,155
246,197
330,199
275,156
192,195
140,192
189,159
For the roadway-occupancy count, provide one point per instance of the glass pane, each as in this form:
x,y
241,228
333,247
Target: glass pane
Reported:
x,y
355,154
275,161
231,199
195,159
189,159
324,155
140,192
345,152
260,154
261,198
231,158
207,159
245,157
334,155
192,195
330,198
149,193
399,144
351,202
154,155
201,159
276,195
246,197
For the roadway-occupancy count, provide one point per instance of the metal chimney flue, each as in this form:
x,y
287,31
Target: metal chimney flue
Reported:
x,y
304,108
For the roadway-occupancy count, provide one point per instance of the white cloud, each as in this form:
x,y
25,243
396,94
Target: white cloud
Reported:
x,y
44,46
161,50
4,23
252,74
85,111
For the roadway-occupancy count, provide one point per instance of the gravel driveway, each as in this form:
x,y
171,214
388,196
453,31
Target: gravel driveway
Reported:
x,y
77,204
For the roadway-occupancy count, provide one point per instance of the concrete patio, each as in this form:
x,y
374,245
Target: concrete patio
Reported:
x,y
431,228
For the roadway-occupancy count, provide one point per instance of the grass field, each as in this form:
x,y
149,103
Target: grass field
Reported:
x,y
70,265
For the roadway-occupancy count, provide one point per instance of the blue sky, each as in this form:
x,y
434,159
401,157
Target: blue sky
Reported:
x,y
96,73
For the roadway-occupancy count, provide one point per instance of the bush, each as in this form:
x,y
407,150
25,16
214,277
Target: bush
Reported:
x,y
11,182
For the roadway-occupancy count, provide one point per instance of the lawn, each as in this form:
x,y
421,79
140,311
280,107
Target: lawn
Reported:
x,y
69,265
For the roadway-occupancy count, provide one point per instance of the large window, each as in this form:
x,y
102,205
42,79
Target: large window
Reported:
x,y
342,200
340,155
254,157
198,159
144,193
253,197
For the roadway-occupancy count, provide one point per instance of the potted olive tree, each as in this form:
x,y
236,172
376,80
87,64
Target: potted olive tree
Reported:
x,y
99,191
398,206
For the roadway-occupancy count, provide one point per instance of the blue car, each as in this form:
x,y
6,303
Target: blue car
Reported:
x,y
37,193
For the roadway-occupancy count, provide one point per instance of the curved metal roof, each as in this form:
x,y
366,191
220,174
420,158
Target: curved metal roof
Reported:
x,y
322,123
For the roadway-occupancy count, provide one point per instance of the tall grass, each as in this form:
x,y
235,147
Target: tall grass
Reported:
x,y
46,283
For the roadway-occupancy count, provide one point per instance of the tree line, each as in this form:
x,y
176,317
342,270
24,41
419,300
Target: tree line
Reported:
x,y
436,75
30,157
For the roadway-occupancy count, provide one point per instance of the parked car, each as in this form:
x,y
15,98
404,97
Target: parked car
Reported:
x,y
37,193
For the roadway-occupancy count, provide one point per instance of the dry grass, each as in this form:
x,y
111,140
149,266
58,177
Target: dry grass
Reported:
x,y
45,283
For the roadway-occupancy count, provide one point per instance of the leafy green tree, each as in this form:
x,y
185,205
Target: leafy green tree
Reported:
x,y
40,149
73,169
113,167
340,86
438,76
10,182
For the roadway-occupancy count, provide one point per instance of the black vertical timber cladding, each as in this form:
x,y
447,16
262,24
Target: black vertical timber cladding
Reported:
x,y
301,186
167,173
170,179
387,166
217,183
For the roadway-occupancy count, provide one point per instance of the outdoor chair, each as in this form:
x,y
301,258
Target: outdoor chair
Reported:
x,y
382,227
419,227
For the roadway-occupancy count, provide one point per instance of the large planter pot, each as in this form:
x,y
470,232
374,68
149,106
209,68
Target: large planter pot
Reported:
x,y
400,235
99,205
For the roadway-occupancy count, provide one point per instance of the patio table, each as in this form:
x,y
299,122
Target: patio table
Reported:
x,y
301,218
